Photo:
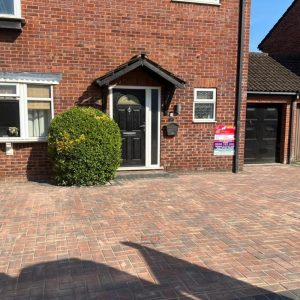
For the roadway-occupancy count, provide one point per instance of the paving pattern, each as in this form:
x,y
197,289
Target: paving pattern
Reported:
x,y
188,236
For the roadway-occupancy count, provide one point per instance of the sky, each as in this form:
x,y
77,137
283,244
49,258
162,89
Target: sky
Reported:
x,y
264,15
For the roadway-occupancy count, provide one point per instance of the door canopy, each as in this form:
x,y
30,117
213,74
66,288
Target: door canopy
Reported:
x,y
136,62
169,81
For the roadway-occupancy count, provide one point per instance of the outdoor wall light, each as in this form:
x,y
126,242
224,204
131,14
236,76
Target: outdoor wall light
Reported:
x,y
177,109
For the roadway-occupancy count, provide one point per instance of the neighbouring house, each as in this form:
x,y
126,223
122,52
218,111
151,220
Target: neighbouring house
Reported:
x,y
273,105
167,71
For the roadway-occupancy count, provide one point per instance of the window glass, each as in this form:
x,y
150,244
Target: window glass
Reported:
x,y
39,117
128,100
202,95
9,118
7,7
204,111
8,89
38,91
204,104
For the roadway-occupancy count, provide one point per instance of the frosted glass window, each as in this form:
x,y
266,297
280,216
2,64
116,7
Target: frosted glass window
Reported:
x,y
8,89
204,105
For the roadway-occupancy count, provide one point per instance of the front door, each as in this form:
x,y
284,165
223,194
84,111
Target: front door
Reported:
x,y
129,113
262,144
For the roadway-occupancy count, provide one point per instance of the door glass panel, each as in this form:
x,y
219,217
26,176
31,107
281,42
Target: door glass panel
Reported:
x,y
128,100
154,127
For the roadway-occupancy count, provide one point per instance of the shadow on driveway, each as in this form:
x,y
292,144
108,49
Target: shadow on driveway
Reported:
x,y
172,278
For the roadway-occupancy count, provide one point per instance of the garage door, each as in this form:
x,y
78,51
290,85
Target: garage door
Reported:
x,y
262,143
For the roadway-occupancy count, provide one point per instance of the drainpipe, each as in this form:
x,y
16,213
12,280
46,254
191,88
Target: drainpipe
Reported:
x,y
239,83
292,126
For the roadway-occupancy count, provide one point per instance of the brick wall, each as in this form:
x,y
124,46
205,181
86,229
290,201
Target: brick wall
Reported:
x,y
285,37
196,42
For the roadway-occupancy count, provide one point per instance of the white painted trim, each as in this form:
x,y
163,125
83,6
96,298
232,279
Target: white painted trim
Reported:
x,y
140,168
210,2
17,11
208,101
148,112
21,140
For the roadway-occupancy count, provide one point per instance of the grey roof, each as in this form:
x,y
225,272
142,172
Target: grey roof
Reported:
x,y
273,74
136,62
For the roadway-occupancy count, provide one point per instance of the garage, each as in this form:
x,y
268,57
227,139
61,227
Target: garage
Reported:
x,y
262,140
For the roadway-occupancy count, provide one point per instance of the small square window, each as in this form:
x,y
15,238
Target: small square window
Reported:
x,y
204,105
10,8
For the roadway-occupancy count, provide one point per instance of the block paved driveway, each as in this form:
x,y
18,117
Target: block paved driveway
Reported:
x,y
196,236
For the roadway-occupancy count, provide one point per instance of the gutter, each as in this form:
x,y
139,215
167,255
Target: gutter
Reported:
x,y
239,84
272,93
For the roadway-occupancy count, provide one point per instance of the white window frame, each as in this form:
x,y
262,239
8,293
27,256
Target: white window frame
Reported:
x,y
205,101
23,100
17,11
210,2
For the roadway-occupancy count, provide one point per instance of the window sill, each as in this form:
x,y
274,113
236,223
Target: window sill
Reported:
x,y
20,140
14,23
198,2
203,121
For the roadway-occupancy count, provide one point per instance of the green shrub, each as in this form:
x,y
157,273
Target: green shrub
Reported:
x,y
85,147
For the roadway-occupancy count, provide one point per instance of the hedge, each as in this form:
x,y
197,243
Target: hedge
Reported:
x,y
85,147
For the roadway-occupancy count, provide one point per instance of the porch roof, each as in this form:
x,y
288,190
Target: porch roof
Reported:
x,y
140,61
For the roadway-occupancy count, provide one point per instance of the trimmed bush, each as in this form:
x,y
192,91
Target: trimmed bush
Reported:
x,y
85,147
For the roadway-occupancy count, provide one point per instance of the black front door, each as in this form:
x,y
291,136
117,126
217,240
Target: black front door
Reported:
x,y
129,113
262,144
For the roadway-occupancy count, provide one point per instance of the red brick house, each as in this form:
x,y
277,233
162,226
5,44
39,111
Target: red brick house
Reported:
x,y
146,63
273,107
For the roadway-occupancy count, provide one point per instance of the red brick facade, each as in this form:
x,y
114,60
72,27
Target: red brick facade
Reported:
x,y
284,38
85,39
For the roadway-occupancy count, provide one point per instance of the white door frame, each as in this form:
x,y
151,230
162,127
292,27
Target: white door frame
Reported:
x,y
148,112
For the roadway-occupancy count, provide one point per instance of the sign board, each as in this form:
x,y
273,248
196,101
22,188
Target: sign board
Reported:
x,y
224,144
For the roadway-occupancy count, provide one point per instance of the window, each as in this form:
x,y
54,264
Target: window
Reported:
x,y
204,105
25,111
10,8
39,110
212,2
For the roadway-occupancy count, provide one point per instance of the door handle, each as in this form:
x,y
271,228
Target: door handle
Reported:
x,y
143,126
